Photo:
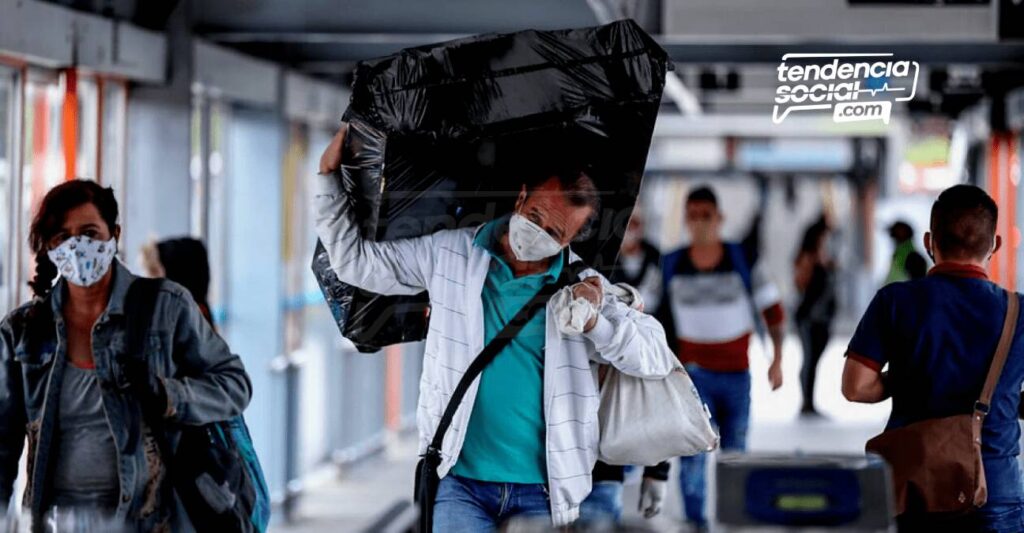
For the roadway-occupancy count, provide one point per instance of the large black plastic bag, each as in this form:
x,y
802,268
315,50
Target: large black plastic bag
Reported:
x,y
443,136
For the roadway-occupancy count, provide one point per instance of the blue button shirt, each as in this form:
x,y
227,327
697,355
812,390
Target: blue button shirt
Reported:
x,y
505,438
938,335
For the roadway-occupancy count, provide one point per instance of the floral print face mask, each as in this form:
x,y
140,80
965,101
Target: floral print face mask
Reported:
x,y
82,260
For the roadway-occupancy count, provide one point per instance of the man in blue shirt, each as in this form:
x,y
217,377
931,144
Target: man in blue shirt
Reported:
x,y
938,336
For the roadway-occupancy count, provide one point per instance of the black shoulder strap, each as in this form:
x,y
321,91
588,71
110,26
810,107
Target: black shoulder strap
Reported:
x,y
39,324
1002,350
569,275
139,306
746,272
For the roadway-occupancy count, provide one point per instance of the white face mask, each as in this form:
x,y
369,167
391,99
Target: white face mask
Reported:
x,y
529,241
82,260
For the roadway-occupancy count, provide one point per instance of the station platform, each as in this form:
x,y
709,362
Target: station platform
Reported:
x,y
357,498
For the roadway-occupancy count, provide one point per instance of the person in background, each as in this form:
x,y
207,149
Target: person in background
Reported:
x,y
907,262
66,383
814,278
184,261
639,267
640,263
938,336
716,294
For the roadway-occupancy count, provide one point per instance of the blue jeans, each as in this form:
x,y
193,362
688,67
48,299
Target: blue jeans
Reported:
x,y
727,395
992,518
603,504
469,506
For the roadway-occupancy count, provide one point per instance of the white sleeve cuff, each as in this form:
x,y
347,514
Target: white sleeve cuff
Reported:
x,y
602,332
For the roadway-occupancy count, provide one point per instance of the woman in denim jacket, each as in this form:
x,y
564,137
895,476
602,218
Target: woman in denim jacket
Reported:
x,y
64,376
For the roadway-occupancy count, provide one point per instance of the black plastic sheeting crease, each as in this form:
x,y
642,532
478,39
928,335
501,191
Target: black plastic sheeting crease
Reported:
x,y
445,136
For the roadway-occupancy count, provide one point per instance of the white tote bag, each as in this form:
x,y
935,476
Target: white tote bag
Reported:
x,y
647,421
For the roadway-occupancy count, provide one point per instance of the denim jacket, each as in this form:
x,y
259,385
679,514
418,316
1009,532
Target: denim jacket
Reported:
x,y
203,380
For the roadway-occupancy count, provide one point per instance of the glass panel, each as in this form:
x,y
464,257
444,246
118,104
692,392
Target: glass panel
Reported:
x,y
43,158
88,128
196,170
8,93
112,143
293,232
218,215
1016,170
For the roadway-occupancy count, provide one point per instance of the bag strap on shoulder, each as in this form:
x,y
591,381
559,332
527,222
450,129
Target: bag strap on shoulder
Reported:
x,y
739,262
569,275
39,324
139,307
744,269
983,404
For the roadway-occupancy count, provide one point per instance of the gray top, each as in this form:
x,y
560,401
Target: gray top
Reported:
x,y
86,460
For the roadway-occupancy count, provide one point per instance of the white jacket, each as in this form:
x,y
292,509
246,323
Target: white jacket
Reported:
x,y
453,270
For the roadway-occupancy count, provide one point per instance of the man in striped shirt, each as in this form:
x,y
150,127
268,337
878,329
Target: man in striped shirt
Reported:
x,y
524,440
715,292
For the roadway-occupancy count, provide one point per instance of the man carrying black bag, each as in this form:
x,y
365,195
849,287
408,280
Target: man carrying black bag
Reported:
x,y
523,441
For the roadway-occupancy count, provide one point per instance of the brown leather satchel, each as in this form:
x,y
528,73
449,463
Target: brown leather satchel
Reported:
x,y
936,463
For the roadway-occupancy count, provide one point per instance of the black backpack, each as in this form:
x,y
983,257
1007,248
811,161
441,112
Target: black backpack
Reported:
x,y
214,469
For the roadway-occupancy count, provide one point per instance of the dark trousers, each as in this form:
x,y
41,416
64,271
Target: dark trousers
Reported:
x,y
814,337
992,518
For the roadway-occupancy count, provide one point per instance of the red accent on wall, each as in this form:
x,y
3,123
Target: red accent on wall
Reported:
x,y
1002,156
40,138
69,123
1010,216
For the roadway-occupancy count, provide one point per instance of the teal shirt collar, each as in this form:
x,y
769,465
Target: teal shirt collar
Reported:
x,y
488,237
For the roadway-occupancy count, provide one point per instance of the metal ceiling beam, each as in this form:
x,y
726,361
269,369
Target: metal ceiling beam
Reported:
x,y
251,37
224,72
73,39
824,19
314,47
389,16
707,51
760,125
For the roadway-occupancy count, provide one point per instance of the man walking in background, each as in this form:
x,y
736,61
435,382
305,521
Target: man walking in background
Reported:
x,y
716,295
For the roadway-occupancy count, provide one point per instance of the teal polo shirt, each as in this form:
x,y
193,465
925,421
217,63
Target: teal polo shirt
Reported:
x,y
505,438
